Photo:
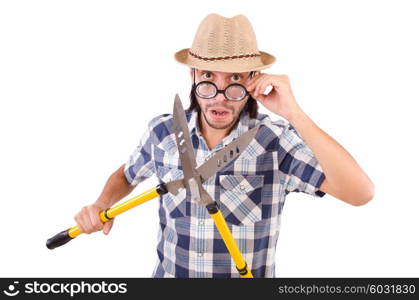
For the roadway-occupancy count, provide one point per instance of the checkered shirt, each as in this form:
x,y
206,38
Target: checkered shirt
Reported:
x,y
250,192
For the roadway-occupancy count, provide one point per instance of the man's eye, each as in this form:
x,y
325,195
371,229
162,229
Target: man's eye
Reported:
x,y
206,75
236,77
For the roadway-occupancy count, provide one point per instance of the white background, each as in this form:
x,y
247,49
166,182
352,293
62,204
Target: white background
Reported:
x,y
79,80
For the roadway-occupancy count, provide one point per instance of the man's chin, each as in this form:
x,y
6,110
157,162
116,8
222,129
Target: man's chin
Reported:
x,y
220,126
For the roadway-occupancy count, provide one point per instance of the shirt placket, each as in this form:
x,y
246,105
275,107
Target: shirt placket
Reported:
x,y
203,258
200,218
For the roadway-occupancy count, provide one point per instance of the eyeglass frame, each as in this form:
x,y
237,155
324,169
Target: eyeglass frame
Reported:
x,y
218,91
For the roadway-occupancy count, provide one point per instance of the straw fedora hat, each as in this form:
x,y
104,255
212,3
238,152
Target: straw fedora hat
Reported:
x,y
225,45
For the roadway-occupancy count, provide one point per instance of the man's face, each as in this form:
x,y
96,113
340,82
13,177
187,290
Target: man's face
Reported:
x,y
219,112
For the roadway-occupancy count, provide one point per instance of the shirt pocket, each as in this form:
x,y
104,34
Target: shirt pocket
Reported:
x,y
241,198
175,205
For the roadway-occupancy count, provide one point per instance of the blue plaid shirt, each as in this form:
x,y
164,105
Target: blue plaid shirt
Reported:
x,y
250,191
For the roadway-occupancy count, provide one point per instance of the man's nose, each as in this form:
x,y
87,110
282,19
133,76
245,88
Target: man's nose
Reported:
x,y
220,98
221,85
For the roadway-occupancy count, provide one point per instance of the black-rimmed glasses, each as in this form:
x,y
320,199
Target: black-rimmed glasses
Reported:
x,y
208,90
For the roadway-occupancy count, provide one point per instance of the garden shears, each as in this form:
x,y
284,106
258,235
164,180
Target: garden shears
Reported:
x,y
193,178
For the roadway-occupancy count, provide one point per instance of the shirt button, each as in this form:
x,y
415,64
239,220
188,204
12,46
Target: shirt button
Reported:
x,y
242,187
201,222
200,254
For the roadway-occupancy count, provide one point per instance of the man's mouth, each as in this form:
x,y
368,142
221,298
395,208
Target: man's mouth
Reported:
x,y
219,113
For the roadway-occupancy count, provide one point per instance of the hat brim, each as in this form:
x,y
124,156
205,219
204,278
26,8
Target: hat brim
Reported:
x,y
265,60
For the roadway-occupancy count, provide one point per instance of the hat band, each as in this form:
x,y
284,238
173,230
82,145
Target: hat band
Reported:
x,y
223,57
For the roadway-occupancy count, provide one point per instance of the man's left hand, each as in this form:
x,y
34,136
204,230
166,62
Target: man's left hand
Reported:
x,y
280,100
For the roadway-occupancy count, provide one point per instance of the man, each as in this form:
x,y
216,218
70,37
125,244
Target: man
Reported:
x,y
294,156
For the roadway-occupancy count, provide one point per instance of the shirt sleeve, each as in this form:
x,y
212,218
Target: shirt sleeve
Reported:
x,y
140,164
297,161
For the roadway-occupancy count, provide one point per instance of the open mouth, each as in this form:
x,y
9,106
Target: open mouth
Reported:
x,y
219,113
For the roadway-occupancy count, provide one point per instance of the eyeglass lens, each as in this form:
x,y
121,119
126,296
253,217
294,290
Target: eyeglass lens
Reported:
x,y
232,92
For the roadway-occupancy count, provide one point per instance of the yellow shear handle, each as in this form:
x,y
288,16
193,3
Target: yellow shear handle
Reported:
x,y
229,241
106,215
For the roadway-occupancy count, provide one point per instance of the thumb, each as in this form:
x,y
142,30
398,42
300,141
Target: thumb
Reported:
x,y
107,227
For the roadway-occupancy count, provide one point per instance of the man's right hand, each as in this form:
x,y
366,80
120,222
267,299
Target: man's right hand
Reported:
x,y
88,219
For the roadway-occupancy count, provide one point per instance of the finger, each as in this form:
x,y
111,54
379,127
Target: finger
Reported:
x,y
107,227
263,85
95,219
269,82
255,86
250,80
87,224
254,81
78,220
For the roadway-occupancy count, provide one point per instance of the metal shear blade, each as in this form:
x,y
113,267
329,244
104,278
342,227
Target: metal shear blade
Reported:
x,y
194,177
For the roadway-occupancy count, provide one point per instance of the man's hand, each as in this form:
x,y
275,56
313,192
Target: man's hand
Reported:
x,y
280,100
335,161
88,219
